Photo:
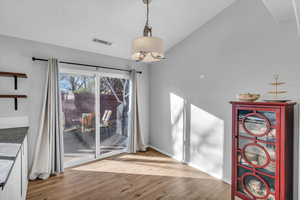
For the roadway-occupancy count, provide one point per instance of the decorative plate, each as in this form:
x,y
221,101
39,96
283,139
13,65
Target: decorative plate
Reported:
x,y
276,100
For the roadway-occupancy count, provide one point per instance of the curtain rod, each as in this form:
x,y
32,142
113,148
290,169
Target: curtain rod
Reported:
x,y
86,65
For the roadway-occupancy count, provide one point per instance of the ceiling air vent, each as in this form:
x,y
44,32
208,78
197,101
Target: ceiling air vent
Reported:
x,y
102,42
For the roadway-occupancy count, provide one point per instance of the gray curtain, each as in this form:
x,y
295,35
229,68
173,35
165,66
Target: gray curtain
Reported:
x,y
48,156
136,142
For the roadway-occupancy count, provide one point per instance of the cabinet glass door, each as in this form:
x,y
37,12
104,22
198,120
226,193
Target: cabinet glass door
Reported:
x,y
256,154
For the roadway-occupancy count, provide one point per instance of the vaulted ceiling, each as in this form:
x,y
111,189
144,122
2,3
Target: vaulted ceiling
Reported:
x,y
284,11
296,5
74,24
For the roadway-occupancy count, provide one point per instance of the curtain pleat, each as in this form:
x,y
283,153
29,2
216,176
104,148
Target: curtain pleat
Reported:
x,y
48,156
136,142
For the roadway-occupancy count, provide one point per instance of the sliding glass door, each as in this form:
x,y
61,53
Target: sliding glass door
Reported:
x,y
95,114
78,113
114,109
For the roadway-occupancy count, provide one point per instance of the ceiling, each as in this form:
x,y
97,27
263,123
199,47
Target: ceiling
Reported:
x,y
296,4
74,24
285,11
282,10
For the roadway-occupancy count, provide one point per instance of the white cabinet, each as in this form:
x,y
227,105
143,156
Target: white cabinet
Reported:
x,y
12,188
16,185
24,173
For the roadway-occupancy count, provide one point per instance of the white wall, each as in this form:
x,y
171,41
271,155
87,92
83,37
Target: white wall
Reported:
x,y
15,56
238,51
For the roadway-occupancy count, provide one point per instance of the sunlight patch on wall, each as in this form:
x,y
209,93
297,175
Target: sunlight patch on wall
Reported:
x,y
206,141
177,108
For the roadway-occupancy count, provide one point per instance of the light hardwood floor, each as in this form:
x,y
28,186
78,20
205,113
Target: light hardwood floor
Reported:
x,y
143,176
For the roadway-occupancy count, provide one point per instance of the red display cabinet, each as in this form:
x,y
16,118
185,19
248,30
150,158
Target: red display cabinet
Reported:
x,y
262,150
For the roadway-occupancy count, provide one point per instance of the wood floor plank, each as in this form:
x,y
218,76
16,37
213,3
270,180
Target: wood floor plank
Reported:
x,y
143,176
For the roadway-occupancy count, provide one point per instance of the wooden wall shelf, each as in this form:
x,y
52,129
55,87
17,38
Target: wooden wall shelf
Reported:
x,y
12,74
15,76
15,97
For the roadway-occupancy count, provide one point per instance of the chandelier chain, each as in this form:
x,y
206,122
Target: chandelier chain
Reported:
x,y
147,28
147,22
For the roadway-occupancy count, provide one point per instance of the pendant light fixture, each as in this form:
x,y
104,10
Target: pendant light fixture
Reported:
x,y
147,48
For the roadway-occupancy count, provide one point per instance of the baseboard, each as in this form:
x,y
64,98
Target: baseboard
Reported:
x,y
210,174
160,151
165,153
189,164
